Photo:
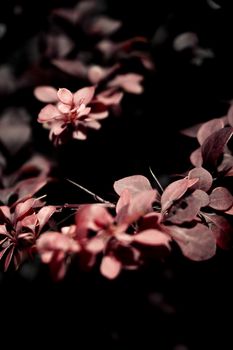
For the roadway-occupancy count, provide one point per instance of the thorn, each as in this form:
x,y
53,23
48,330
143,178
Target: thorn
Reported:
x,y
95,196
156,180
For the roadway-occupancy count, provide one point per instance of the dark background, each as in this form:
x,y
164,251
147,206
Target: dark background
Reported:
x,y
175,305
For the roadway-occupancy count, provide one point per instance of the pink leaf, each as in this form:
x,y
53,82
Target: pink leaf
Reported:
x,y
205,178
197,243
55,241
46,94
123,200
139,205
133,184
152,237
191,131
229,211
110,97
84,95
95,245
129,82
92,217
75,68
196,158
221,199
103,26
65,96
110,267
209,128
175,191
48,113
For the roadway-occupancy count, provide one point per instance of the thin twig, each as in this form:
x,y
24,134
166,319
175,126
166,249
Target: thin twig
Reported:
x,y
66,218
156,180
96,197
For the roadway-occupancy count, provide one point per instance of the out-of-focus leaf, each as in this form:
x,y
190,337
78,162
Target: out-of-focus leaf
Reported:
x,y
197,243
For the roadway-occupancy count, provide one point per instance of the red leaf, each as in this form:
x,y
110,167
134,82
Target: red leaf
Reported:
x,y
27,188
175,191
110,267
30,222
23,208
213,147
205,178
5,214
208,129
221,199
133,184
197,243
44,215
8,258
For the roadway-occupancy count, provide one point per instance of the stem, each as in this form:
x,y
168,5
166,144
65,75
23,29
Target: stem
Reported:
x,y
96,197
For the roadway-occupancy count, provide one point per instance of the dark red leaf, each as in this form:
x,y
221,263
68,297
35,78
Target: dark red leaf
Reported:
x,y
9,258
213,147
44,214
222,230
230,115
